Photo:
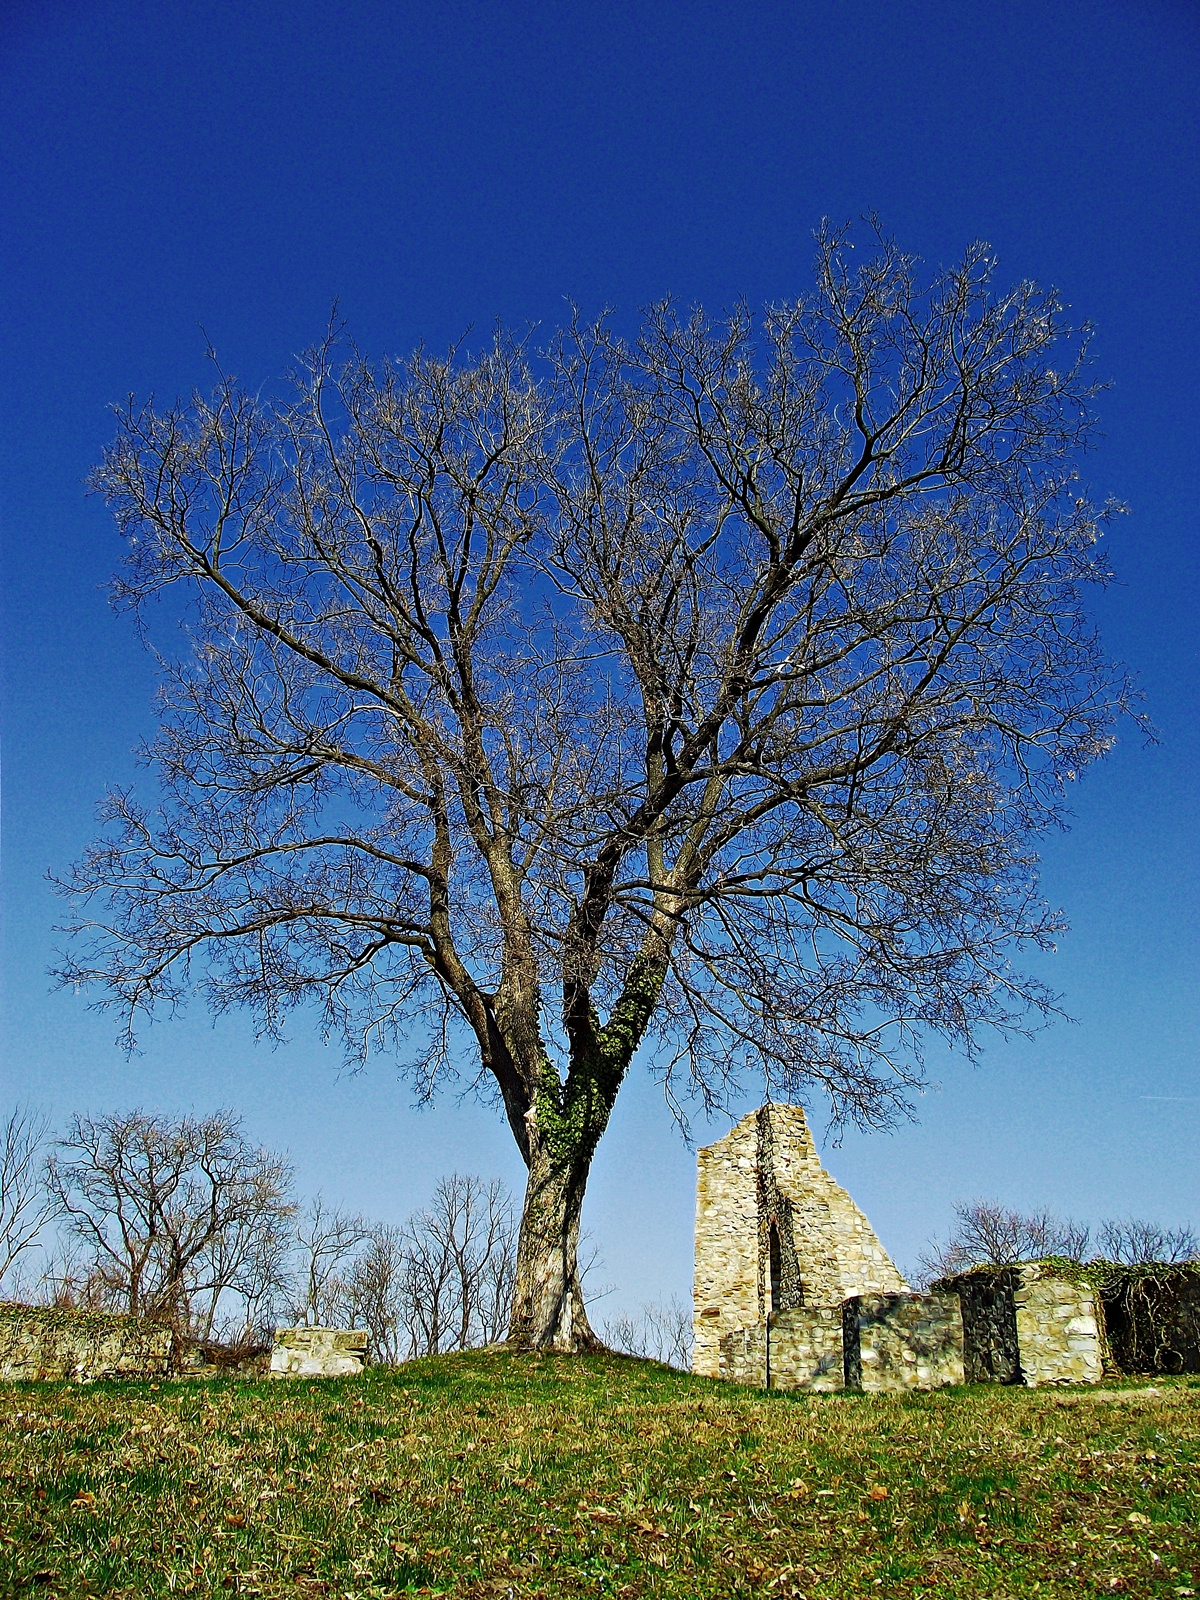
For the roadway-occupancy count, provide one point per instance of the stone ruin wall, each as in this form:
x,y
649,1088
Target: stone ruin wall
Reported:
x,y
319,1352
896,1342
1023,1325
53,1344
766,1173
832,1311
44,1342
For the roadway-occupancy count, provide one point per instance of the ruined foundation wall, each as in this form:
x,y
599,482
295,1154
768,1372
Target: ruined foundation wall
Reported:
x,y
49,1343
897,1342
765,1175
991,1353
1023,1325
806,1349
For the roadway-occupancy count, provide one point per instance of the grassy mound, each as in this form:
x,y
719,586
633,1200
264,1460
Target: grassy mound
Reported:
x,y
496,1475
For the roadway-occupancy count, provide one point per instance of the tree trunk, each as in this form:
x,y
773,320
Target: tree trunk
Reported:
x,y
548,1310
561,1124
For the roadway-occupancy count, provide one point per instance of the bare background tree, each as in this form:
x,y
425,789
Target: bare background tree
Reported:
x,y
705,691
328,1240
374,1291
171,1213
660,1331
993,1235
460,1267
187,1221
1134,1241
25,1206
987,1234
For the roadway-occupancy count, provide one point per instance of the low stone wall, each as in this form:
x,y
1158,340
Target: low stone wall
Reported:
x,y
742,1356
49,1343
805,1346
319,1352
1024,1325
897,1342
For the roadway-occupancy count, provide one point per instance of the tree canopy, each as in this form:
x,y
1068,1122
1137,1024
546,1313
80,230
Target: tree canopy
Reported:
x,y
704,689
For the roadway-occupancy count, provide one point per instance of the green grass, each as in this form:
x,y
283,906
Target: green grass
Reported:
x,y
496,1475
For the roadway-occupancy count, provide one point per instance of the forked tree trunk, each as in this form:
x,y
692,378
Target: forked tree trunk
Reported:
x,y
548,1310
558,1135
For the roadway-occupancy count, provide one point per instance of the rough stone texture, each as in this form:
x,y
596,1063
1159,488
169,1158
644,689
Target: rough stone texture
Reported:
x,y
318,1352
774,1232
1153,1318
49,1343
991,1353
1058,1333
895,1342
742,1357
805,1349
1023,1325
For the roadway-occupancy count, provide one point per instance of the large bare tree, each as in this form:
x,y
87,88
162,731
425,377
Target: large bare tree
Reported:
x,y
703,692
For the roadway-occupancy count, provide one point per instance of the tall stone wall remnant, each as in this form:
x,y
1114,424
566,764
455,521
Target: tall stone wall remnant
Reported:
x,y
774,1234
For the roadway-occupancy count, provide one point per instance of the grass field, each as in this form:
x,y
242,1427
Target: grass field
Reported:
x,y
495,1475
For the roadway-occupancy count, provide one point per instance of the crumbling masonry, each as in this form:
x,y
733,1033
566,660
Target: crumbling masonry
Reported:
x,y
793,1289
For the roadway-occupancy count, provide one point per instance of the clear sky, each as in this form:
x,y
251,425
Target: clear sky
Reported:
x,y
236,165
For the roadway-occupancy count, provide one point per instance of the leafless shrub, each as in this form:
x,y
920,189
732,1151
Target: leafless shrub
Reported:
x,y
990,1234
71,1281
25,1205
1134,1242
169,1215
661,1331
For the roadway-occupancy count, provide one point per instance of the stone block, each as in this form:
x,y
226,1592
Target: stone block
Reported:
x,y
319,1352
743,1356
897,1342
805,1349
1058,1332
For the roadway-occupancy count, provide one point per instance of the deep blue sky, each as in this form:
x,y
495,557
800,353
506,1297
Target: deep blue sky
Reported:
x,y
168,166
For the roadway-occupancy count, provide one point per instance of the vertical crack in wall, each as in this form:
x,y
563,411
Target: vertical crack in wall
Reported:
x,y
775,1210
